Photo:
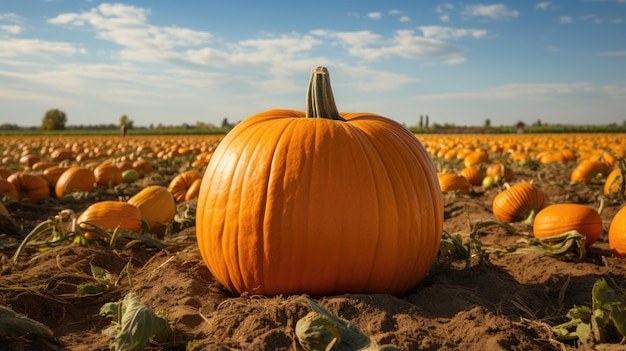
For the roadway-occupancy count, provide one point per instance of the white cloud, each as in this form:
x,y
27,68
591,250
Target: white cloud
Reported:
x,y
404,19
394,12
618,20
565,19
405,44
496,11
36,47
440,32
11,29
443,8
445,18
374,15
126,26
543,5
613,53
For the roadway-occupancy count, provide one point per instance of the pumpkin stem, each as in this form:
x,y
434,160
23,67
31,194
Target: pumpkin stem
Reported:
x,y
531,218
320,102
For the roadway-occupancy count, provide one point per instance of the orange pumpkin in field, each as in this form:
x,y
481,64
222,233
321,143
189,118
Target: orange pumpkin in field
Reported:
x,y
109,215
617,234
499,172
319,202
31,187
75,178
181,184
194,190
53,173
560,218
8,189
473,175
156,205
521,202
450,182
613,182
108,174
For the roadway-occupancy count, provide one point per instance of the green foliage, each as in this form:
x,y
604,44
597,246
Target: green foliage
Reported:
x,y
320,330
54,120
604,322
15,325
134,324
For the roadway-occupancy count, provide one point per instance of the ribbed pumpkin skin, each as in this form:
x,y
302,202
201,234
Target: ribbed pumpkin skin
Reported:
x,y
560,218
156,205
293,205
617,234
110,214
73,179
518,202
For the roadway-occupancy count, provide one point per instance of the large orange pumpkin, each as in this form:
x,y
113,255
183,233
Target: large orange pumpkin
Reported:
x,y
329,204
75,178
111,214
560,218
473,174
521,202
617,234
157,206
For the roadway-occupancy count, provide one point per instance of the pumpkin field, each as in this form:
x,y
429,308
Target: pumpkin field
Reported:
x,y
528,259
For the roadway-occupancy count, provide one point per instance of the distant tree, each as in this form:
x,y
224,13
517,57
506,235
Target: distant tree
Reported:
x,y
426,122
53,120
487,123
421,125
225,123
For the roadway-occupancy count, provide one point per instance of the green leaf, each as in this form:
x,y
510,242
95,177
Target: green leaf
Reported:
x,y
137,326
13,324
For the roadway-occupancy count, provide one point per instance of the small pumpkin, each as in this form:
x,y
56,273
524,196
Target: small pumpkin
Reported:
x,y
53,173
450,182
586,170
194,190
31,187
319,202
7,189
75,178
473,174
521,202
476,157
143,167
617,234
613,182
156,205
108,175
499,172
181,183
560,218
109,215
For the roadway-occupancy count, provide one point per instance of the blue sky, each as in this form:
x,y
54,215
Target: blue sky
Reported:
x,y
175,62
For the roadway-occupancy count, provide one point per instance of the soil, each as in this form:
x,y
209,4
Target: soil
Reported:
x,y
491,301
